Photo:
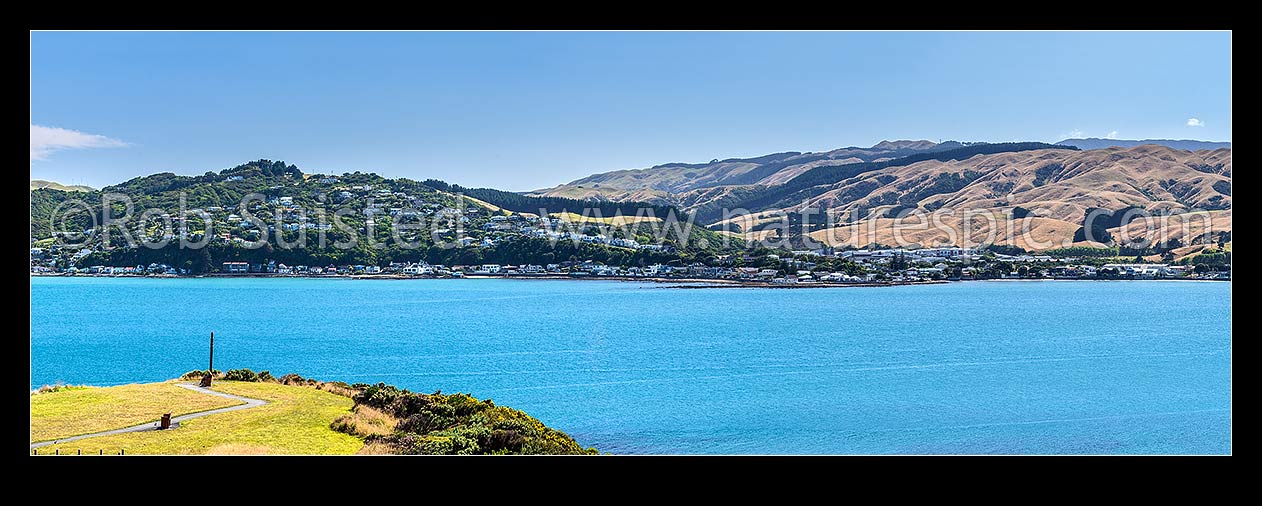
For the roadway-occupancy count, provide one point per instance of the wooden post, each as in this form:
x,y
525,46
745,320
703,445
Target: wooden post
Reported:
x,y
102,452
80,451
57,451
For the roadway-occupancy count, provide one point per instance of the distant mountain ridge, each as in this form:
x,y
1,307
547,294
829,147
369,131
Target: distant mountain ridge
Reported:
x,y
1185,144
656,183
40,183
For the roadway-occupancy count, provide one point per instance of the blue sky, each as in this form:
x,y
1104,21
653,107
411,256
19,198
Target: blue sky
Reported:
x,y
526,110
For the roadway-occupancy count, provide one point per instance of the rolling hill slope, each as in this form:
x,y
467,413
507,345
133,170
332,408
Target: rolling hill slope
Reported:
x,y
865,188
40,183
660,183
1056,188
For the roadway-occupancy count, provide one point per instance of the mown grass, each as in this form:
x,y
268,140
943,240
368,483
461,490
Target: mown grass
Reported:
x,y
77,410
294,422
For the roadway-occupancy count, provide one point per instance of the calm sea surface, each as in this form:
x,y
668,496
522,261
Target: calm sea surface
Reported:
x,y
980,367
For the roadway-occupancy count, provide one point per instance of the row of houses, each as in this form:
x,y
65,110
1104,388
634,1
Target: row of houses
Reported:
x,y
543,233
272,267
106,270
931,255
1146,270
586,268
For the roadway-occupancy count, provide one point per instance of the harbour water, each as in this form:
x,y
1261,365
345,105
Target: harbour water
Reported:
x,y
1054,367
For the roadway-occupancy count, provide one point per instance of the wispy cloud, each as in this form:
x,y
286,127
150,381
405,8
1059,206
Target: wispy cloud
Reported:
x,y
1111,135
1073,134
1193,122
47,140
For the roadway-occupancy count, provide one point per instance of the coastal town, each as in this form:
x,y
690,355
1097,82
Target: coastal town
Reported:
x,y
284,221
875,266
324,209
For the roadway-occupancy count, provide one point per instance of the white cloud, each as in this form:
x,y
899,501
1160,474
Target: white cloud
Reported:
x,y
1111,135
1193,122
1073,134
47,140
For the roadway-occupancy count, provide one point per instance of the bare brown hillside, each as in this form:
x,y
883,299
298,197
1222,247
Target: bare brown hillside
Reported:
x,y
663,181
1062,183
1054,187
1057,187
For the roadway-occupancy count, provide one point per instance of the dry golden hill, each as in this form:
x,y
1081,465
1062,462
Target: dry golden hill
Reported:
x,y
661,183
1056,187
1061,183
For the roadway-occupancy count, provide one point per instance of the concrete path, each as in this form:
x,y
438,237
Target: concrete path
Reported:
x,y
175,421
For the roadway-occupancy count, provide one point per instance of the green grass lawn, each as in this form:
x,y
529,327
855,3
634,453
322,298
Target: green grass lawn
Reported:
x,y
294,422
85,410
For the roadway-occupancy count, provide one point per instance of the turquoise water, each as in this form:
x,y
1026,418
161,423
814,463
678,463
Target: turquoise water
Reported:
x,y
982,367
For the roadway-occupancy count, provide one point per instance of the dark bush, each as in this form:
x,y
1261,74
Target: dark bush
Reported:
x,y
461,424
507,440
194,375
241,375
419,423
380,396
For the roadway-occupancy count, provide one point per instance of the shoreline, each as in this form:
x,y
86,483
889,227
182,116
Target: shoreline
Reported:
x,y
696,282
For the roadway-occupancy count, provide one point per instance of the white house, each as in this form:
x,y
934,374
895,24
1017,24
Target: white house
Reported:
x,y
658,269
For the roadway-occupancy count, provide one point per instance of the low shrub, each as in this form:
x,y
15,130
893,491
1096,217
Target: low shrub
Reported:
x,y
196,375
459,424
365,421
292,379
59,387
241,375
337,387
378,447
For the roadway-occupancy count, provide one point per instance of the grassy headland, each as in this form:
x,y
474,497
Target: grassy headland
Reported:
x,y
301,417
